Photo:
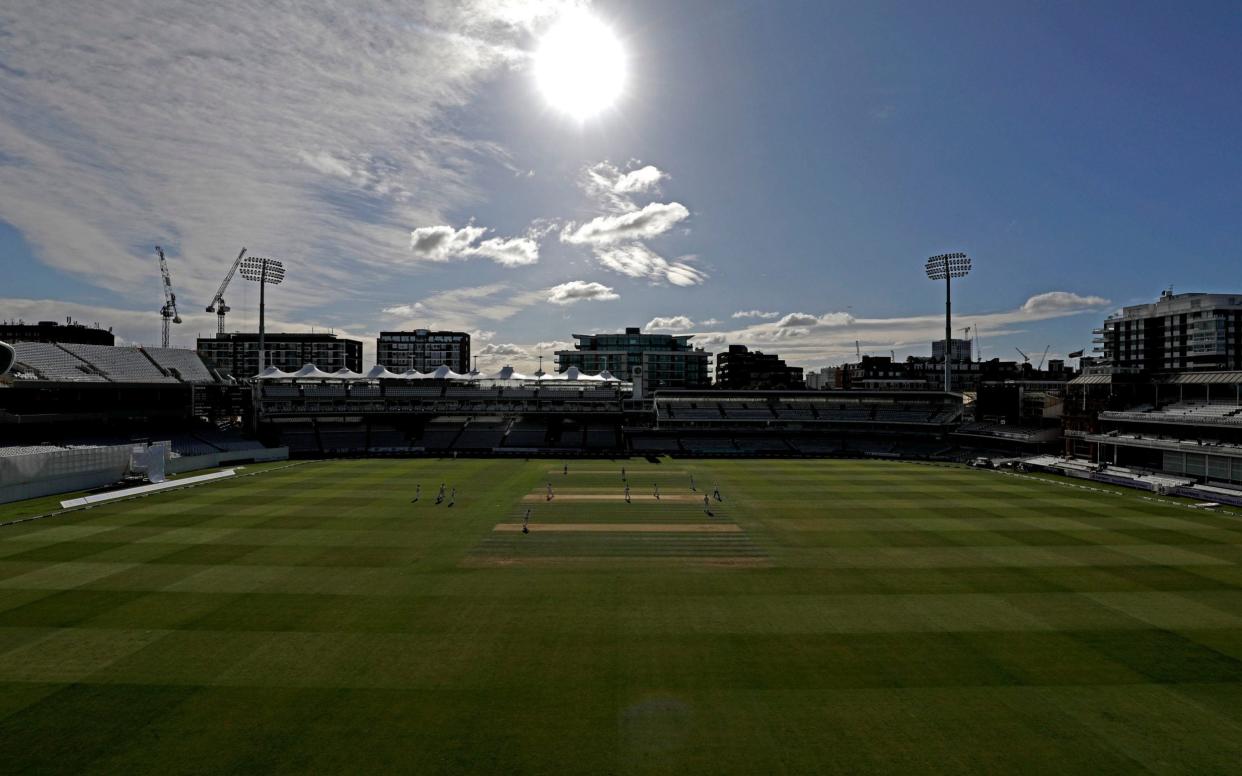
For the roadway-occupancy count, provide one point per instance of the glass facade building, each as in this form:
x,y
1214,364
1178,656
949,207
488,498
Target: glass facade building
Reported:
x,y
667,360
1177,333
423,350
237,353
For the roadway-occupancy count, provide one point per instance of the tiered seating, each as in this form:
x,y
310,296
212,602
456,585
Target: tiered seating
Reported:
x,y
346,439
480,437
526,435
440,436
365,391
601,437
388,439
183,364
16,450
710,445
746,413
281,390
230,441
656,445
52,363
763,445
413,390
1193,411
300,441
120,365
188,444
324,391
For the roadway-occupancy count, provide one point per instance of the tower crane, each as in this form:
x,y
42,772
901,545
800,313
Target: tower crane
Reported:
x,y
1025,358
169,311
217,305
1041,358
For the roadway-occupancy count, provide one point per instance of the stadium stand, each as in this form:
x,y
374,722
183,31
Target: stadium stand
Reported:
x,y
120,365
183,365
46,361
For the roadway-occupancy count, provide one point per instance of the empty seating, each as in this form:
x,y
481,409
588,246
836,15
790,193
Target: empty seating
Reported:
x,y
120,364
185,365
51,362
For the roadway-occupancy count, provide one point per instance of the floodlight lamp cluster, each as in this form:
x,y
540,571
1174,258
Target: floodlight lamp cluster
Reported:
x,y
948,265
255,267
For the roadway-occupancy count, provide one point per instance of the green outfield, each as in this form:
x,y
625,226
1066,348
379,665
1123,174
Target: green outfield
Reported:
x,y
826,616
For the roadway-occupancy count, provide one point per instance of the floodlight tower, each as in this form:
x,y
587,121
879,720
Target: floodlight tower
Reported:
x,y
262,271
945,267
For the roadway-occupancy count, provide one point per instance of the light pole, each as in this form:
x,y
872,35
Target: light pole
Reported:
x,y
945,267
262,271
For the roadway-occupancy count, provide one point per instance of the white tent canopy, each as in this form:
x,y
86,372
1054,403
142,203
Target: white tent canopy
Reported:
x,y
508,373
442,372
272,373
312,372
380,372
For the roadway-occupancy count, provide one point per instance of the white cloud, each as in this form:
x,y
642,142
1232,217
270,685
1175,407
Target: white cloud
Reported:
x,y
481,335
651,221
638,261
615,187
675,323
754,314
1060,302
580,290
709,322
797,319
444,243
509,349
553,345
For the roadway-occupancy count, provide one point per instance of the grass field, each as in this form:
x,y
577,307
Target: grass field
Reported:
x,y
827,616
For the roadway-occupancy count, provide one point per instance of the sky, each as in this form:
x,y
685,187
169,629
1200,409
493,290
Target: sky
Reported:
x,y
771,174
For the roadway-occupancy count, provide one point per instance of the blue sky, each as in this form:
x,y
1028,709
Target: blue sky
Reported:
x,y
796,159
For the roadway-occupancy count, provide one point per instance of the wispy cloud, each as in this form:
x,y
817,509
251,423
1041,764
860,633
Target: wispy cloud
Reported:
x,y
299,131
615,188
817,339
638,261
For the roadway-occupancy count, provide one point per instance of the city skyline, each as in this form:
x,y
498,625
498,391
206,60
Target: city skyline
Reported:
x,y
772,176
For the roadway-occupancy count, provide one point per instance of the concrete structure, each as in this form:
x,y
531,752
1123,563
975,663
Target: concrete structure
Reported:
x,y
237,353
740,368
51,331
423,350
1178,332
668,361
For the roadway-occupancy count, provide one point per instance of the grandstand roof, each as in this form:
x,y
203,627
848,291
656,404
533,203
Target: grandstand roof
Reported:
x,y
380,372
443,372
1204,378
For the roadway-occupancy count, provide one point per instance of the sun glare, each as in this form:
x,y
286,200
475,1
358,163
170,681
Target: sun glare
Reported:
x,y
580,65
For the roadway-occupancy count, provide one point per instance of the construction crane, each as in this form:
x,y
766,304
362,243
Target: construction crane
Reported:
x,y
169,311
1025,358
217,305
1044,356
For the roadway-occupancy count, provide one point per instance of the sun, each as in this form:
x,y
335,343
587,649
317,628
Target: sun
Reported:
x,y
580,65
